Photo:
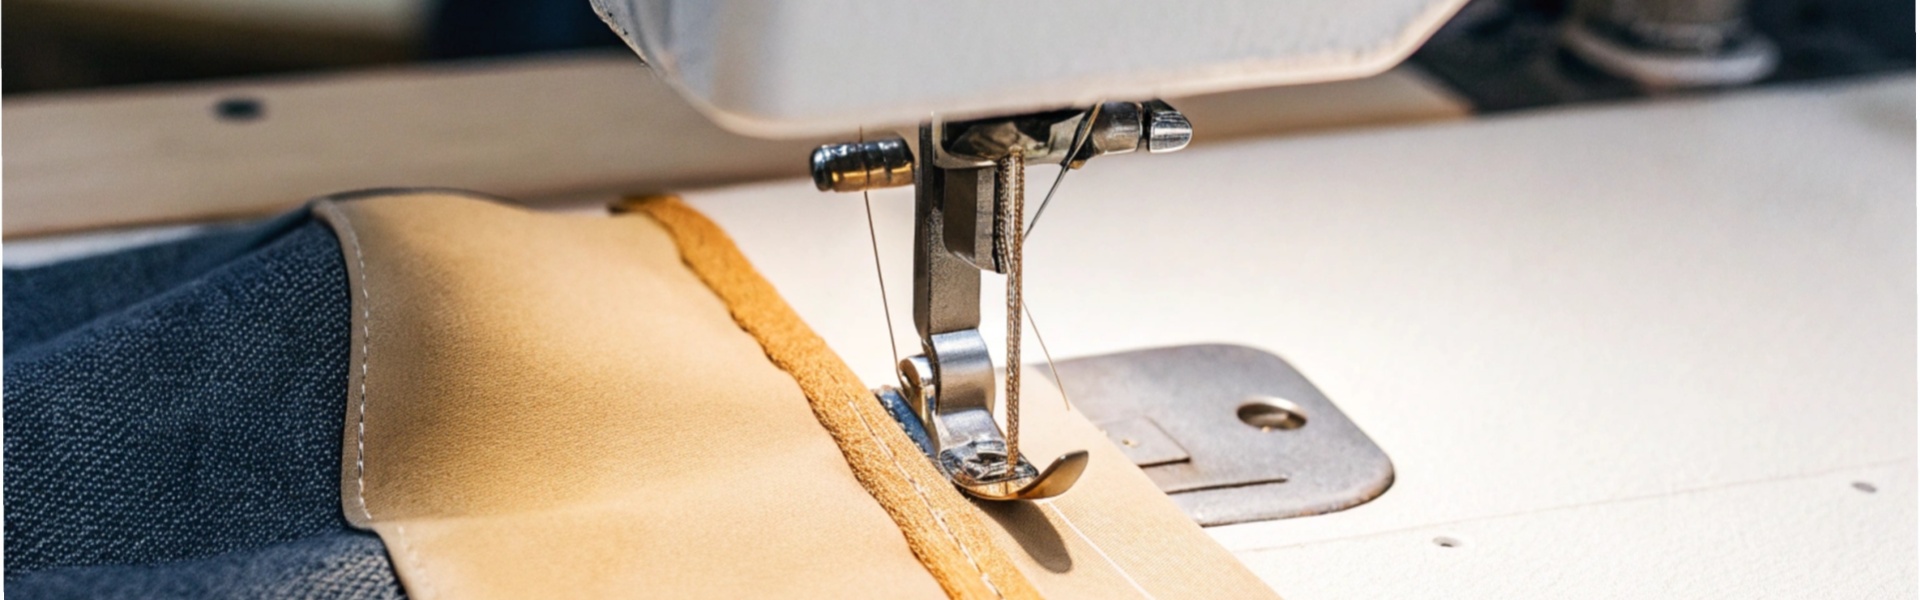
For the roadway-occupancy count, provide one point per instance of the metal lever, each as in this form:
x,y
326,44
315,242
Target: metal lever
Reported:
x,y
959,231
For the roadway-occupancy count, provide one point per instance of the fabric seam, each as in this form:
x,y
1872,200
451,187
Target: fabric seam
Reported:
x,y
360,438
688,227
1097,549
366,344
938,516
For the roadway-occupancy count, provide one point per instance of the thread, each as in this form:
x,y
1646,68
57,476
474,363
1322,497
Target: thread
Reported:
x,y
1013,215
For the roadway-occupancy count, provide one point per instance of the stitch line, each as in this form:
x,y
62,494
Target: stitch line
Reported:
x,y
1098,550
360,438
366,343
938,517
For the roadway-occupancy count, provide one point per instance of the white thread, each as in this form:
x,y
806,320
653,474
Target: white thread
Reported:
x,y
888,310
1096,549
873,240
400,531
360,438
366,343
924,499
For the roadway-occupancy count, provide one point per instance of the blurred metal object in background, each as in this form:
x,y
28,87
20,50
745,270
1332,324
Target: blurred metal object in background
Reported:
x,y
1668,44
1516,54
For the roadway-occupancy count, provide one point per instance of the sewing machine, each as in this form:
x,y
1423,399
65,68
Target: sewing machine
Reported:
x,y
1062,83
1660,348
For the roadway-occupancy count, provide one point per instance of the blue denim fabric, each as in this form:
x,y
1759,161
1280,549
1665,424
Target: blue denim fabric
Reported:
x,y
902,414
339,565
173,420
46,302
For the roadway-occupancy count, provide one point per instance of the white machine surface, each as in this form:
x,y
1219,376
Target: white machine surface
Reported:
x,y
801,67
1662,349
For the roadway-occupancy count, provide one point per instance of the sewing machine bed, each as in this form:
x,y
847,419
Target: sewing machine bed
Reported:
x,y
1653,349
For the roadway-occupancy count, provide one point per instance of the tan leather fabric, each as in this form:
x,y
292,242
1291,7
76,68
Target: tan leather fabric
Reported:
x,y
1115,535
547,405
939,524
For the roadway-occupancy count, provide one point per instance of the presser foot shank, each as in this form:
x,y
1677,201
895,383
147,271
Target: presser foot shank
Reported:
x,y
968,179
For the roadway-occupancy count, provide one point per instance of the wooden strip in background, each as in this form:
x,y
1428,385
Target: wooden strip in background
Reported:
x,y
541,129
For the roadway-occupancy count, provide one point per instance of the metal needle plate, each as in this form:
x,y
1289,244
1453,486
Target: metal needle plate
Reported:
x,y
1232,434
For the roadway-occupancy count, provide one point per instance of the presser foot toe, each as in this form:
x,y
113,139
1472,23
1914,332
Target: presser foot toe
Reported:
x,y
1024,483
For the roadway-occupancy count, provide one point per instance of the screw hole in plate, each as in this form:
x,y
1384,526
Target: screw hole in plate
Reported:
x,y
1448,542
1269,413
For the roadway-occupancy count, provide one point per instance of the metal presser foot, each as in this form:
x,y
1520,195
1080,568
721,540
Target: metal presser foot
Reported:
x,y
969,217
966,444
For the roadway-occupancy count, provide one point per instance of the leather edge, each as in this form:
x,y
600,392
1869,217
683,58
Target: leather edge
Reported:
x,y
353,505
942,528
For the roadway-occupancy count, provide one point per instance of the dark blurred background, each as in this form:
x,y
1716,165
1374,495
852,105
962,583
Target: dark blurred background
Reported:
x,y
1499,54
67,44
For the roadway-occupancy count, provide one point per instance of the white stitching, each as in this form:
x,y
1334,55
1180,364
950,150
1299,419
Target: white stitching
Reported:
x,y
366,343
1096,548
400,531
937,516
360,438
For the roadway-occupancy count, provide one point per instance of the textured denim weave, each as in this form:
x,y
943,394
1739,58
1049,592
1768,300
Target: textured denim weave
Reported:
x,y
343,565
173,422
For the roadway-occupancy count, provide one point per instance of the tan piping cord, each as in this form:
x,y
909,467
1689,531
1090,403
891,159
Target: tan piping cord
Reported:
x,y
941,528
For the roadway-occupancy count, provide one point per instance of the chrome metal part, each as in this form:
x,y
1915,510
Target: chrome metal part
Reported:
x,y
946,287
969,217
980,142
967,442
857,166
1116,128
1293,453
962,373
916,383
1671,44
980,468
1166,129
957,408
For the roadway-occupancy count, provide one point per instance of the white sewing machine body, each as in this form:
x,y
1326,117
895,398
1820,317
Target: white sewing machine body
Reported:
x,y
1663,348
811,67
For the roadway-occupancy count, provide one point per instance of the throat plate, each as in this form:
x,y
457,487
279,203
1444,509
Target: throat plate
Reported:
x,y
1232,434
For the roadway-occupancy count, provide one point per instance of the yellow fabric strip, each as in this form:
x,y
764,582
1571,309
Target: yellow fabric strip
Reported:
x,y
943,530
